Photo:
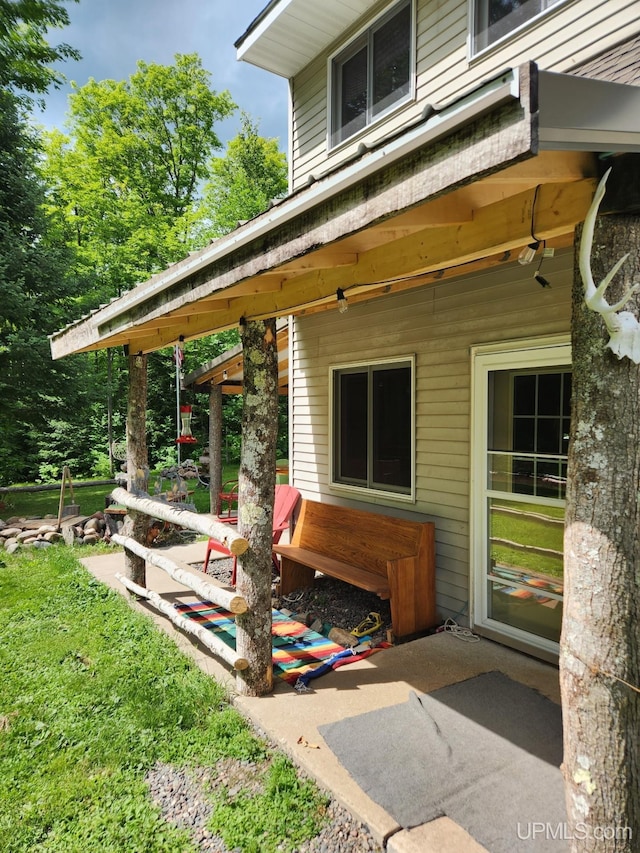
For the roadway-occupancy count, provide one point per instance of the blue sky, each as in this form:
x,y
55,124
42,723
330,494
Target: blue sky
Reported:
x,y
112,35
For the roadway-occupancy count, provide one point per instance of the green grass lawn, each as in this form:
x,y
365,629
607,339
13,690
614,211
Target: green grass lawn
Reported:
x,y
93,695
41,503
91,497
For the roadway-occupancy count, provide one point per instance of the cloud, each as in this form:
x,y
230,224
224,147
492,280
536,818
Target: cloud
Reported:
x,y
112,35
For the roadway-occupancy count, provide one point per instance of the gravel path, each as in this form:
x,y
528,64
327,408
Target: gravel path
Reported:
x,y
181,794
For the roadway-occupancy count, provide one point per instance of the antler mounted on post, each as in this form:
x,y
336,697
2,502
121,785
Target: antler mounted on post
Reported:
x,y
623,327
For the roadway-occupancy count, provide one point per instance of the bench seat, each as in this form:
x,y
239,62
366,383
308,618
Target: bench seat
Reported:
x,y
335,568
394,558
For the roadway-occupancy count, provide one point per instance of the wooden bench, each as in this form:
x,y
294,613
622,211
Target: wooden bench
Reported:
x,y
392,557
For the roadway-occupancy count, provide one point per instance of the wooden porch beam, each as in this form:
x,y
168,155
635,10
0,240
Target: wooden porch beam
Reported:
x,y
499,228
321,259
494,230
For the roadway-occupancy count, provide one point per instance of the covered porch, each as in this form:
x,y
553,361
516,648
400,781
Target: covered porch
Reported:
x,y
466,190
295,722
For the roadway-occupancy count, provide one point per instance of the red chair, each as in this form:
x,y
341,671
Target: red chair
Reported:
x,y
285,500
228,496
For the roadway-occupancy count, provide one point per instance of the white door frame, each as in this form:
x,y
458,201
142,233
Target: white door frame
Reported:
x,y
552,351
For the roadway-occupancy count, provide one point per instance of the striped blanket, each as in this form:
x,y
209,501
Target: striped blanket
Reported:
x,y
296,648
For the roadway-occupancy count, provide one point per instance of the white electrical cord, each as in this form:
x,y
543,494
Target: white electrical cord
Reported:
x,y
466,634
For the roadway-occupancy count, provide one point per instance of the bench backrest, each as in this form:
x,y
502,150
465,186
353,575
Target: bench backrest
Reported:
x,y
363,539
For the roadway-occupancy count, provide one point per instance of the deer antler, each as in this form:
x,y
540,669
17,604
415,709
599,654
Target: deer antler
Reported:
x,y
624,329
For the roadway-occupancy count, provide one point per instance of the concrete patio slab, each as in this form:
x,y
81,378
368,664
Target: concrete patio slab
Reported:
x,y
292,720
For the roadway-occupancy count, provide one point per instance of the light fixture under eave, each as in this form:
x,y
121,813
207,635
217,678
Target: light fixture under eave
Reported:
x,y
542,281
342,301
527,255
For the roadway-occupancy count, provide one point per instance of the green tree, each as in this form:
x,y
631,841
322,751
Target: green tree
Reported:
x,y
37,297
124,193
25,54
126,179
244,182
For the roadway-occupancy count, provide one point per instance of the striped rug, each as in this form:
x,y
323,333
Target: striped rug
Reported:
x,y
296,648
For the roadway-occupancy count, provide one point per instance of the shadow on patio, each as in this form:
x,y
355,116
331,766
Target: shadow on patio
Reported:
x,y
294,721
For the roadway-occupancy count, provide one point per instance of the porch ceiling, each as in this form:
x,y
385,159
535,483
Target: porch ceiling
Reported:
x,y
463,190
227,371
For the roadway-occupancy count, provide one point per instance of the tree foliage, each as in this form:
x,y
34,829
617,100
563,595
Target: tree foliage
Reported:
x,y
37,296
26,56
245,181
125,199
125,181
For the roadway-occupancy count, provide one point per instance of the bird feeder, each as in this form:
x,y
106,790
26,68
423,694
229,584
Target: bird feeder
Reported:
x,y
186,436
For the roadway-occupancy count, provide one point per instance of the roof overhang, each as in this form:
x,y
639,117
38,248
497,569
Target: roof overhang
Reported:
x,y
457,191
581,114
227,370
288,34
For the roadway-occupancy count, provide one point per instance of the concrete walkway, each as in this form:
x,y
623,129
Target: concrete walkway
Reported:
x,y
291,720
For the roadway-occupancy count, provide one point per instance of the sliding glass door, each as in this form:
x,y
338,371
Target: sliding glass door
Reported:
x,y
521,431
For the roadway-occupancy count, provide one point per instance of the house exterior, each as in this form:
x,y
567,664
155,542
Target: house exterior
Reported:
x,y
442,153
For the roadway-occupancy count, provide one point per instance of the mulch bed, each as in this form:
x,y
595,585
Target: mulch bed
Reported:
x,y
331,602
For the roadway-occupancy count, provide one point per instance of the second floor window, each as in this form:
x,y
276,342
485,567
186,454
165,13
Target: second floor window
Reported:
x,y
372,74
495,19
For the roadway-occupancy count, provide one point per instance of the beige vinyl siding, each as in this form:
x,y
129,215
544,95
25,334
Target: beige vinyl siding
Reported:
x,y
560,40
437,324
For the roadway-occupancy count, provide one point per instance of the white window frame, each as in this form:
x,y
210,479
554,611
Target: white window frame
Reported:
x,y
552,351
474,10
345,48
353,489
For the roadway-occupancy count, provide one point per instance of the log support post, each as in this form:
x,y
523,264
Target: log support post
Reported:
x,y
599,649
137,461
215,445
256,495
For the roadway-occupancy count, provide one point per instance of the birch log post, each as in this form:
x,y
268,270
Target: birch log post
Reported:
x,y
257,478
226,598
213,643
137,458
204,524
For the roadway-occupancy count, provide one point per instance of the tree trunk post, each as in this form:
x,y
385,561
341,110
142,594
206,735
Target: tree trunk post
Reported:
x,y
600,644
215,446
137,463
256,495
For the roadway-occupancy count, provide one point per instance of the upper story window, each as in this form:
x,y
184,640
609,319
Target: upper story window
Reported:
x,y
495,19
373,73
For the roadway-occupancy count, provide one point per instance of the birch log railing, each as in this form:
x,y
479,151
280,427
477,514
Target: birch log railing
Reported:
x,y
206,525
215,644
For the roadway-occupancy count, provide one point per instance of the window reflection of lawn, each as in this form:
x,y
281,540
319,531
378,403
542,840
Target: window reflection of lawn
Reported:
x,y
528,537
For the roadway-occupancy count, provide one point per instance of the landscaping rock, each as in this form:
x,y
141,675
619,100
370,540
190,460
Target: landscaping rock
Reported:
x,y
54,536
24,535
181,796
